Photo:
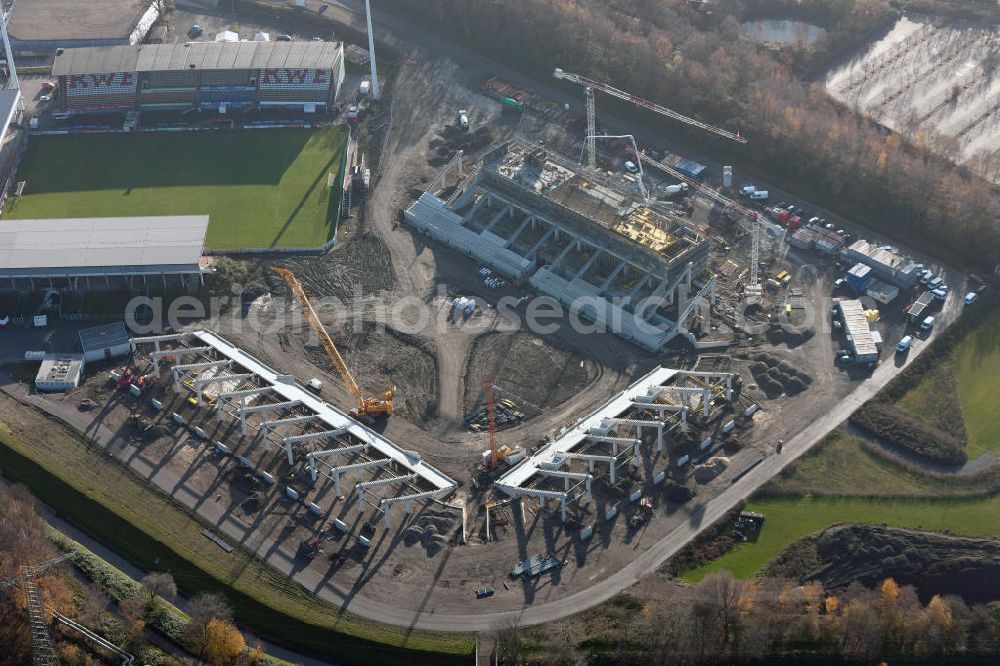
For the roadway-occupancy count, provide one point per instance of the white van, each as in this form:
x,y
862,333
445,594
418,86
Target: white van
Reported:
x,y
759,195
631,167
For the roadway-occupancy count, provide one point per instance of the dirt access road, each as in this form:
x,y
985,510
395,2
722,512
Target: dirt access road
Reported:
x,y
419,108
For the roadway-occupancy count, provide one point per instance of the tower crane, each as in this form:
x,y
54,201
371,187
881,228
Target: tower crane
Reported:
x,y
43,652
368,405
590,146
491,390
592,85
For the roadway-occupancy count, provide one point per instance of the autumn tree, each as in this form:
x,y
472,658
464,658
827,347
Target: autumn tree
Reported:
x,y
222,642
204,608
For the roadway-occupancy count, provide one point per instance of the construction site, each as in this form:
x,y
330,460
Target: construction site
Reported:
x,y
475,464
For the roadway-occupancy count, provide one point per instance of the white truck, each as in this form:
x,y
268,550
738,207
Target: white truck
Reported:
x,y
671,191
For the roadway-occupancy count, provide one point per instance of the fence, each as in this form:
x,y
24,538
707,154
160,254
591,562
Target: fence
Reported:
x,y
15,165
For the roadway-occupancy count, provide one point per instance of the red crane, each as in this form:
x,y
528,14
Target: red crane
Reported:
x,y
491,418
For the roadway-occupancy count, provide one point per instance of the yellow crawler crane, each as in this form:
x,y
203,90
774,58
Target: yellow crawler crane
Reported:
x,y
367,405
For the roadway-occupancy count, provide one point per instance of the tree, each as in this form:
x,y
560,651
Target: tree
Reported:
x,y
159,585
223,642
204,608
507,643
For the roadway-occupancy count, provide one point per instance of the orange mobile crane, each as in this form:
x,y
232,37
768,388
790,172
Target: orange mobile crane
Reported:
x,y
369,406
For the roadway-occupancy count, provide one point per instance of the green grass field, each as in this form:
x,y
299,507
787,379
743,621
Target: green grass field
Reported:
x,y
260,188
156,533
844,466
978,370
791,518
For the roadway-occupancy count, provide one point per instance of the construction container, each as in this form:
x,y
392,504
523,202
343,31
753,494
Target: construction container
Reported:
x,y
515,458
511,103
883,292
859,277
691,169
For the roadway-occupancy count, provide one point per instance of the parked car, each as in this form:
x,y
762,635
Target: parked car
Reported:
x,y
941,292
904,344
927,324
485,592
48,86
631,167
971,297
283,38
195,31
839,284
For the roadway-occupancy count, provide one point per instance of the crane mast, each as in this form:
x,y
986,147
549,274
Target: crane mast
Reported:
x,y
367,405
592,85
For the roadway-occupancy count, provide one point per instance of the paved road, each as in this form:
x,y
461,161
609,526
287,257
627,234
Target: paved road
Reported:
x,y
646,563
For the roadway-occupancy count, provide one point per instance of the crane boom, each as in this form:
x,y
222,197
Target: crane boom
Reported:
x,y
707,191
645,103
366,404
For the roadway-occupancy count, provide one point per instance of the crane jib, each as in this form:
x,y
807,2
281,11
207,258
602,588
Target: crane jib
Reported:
x,y
646,104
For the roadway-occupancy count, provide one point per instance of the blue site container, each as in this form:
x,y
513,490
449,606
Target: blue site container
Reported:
x,y
691,169
860,277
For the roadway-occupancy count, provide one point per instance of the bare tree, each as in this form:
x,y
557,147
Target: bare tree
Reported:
x,y
507,642
204,608
159,584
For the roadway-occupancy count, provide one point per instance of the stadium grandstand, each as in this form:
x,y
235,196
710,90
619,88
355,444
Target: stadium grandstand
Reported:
x,y
102,253
39,27
210,75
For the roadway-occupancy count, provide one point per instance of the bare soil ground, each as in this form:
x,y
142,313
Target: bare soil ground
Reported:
x,y
383,357
542,371
868,554
376,265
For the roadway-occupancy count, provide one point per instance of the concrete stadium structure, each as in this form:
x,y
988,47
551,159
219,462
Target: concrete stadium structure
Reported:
x,y
39,27
276,412
577,236
102,253
673,404
211,75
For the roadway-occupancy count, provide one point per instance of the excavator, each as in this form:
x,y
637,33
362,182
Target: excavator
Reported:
x,y
369,406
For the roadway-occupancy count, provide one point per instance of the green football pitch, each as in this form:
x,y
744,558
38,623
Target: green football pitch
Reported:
x,y
260,188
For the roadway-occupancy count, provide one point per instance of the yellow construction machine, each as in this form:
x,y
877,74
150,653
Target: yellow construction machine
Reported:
x,y
368,406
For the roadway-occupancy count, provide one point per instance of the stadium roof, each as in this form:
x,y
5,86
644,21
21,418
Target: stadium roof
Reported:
x,y
197,55
74,19
102,246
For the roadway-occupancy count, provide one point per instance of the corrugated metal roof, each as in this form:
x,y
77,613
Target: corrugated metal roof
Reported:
x,y
859,332
102,241
106,335
198,55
